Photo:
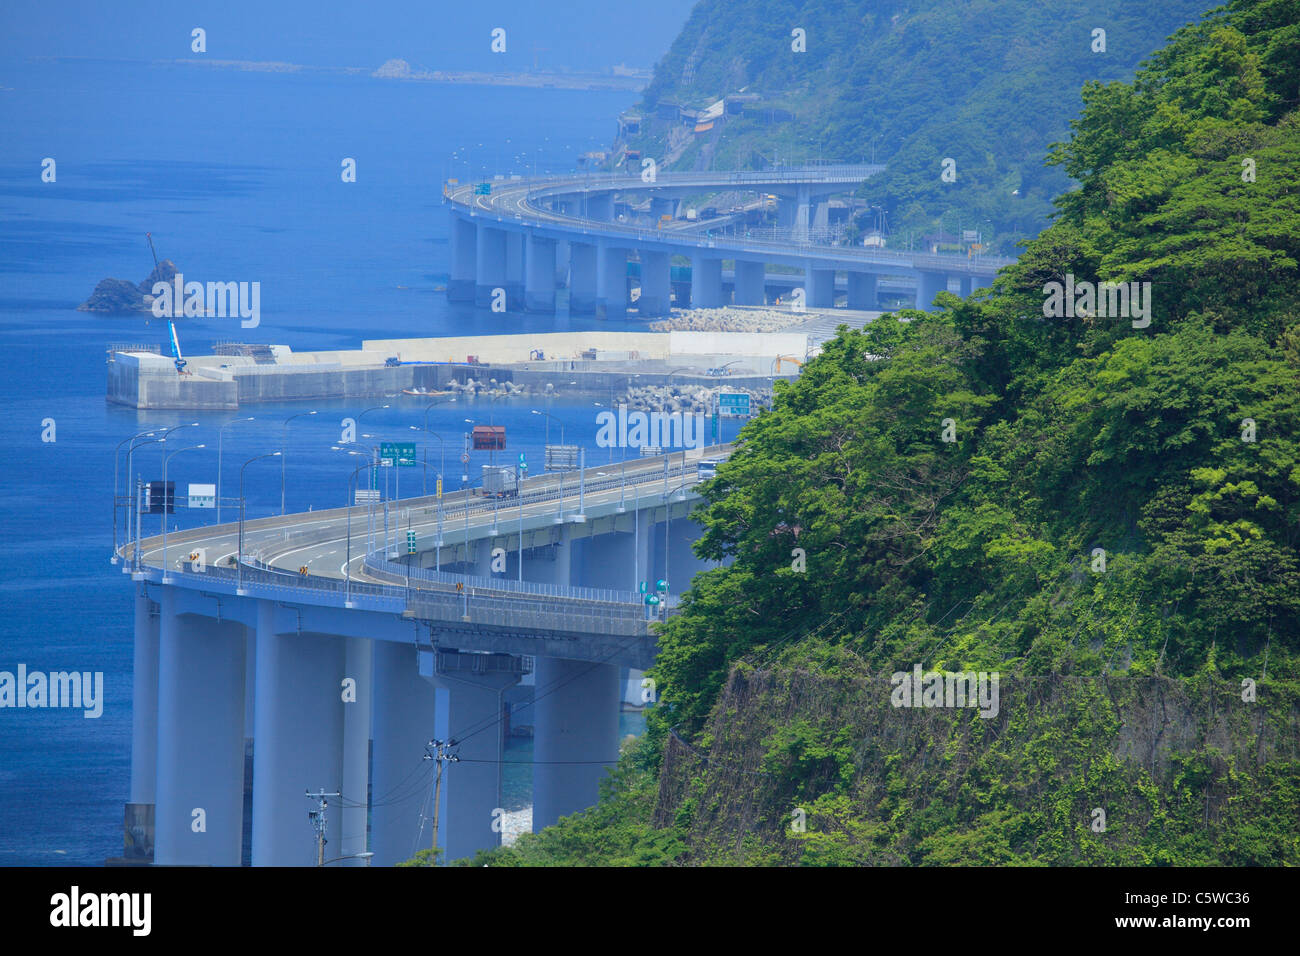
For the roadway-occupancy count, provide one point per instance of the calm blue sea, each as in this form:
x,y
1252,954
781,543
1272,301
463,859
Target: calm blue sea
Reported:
x,y
236,174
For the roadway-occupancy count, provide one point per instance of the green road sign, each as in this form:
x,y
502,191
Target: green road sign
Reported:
x,y
733,404
482,189
410,542
397,453
651,599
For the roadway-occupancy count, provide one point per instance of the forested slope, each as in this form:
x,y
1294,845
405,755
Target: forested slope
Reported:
x,y
1113,531
987,83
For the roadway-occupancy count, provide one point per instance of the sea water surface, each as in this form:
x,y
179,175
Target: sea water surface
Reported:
x,y
237,176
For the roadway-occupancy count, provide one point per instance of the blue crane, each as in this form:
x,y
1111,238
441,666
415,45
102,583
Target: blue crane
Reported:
x,y
171,324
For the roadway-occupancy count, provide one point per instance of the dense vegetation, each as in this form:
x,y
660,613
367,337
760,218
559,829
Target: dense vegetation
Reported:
x,y
988,83
1174,447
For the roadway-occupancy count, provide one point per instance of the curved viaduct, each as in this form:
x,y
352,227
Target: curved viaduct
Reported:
x,y
340,646
524,234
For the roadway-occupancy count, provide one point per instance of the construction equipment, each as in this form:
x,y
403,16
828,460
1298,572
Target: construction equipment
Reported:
x,y
787,358
177,358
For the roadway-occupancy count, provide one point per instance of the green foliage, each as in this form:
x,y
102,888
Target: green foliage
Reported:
x,y
988,83
1169,452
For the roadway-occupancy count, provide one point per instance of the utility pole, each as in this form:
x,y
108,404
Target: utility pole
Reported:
x,y
318,822
441,755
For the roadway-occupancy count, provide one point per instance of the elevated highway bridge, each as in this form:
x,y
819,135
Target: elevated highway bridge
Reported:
x,y
393,623
521,236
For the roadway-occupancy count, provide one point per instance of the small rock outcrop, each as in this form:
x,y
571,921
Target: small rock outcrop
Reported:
x,y
118,296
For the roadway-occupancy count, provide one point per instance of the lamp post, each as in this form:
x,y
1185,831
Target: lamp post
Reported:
x,y
347,565
116,452
166,432
166,459
139,491
442,469
549,416
239,556
221,434
284,439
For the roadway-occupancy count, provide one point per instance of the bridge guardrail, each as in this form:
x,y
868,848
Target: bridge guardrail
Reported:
x,y
548,186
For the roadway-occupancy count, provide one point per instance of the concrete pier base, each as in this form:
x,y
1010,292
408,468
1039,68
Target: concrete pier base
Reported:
x,y
464,274
200,786
297,740
655,290
515,243
404,721
144,700
819,288
862,290
611,281
354,815
706,283
582,278
929,285
539,290
471,787
490,264
575,733
749,282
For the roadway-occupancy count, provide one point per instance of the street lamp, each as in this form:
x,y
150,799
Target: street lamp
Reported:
x,y
239,557
116,452
221,432
549,416
424,489
166,459
284,439
166,432
139,491
347,565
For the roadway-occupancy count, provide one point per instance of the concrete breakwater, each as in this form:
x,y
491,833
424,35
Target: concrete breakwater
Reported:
x,y
630,365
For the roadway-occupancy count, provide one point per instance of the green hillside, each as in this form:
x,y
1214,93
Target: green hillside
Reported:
x,y
1114,530
988,83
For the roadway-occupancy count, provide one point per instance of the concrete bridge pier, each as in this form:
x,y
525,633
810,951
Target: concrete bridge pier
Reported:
x,y
539,291
819,287
144,701
561,570
471,788
490,264
575,735
611,281
515,271
582,278
404,721
600,206
354,816
200,739
862,290
750,277
706,283
464,250
297,739
929,285
655,284
562,247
